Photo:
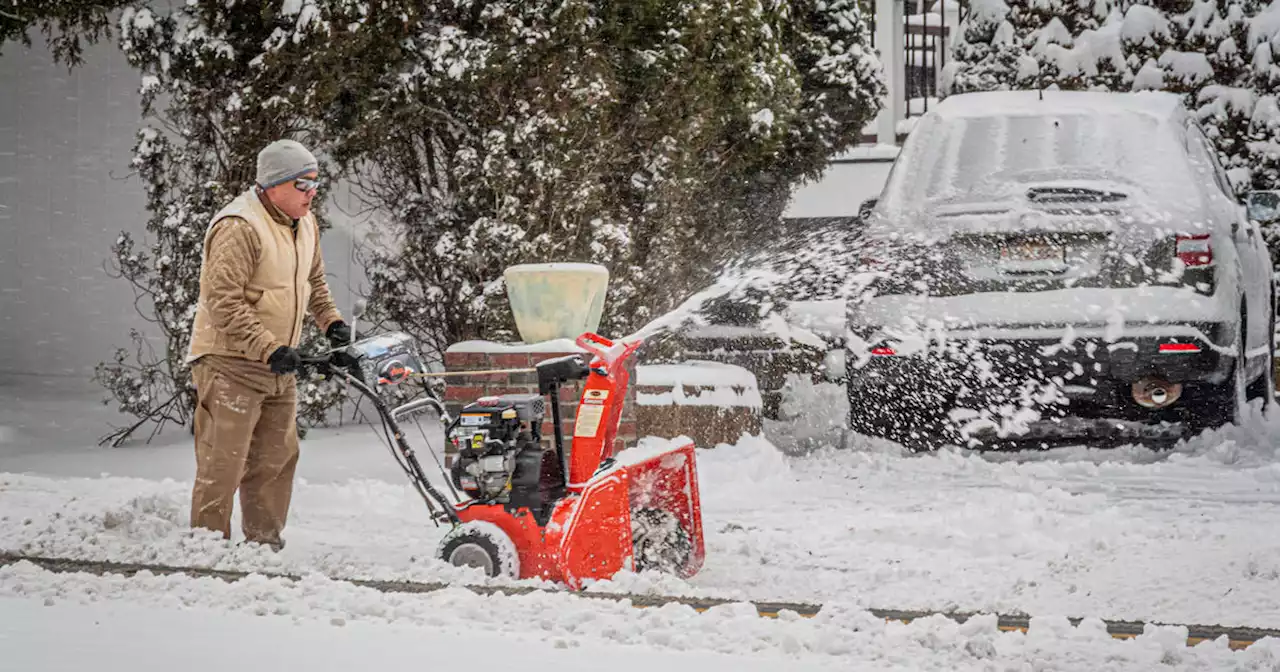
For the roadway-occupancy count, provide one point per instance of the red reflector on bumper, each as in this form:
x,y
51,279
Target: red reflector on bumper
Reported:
x,y
1179,347
883,352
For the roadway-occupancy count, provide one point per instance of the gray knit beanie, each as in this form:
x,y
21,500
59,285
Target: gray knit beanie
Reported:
x,y
283,160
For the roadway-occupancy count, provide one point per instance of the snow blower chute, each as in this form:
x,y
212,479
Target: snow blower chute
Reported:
x,y
563,515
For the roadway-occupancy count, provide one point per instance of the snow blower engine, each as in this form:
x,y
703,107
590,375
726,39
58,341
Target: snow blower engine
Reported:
x,y
499,453
500,458
498,439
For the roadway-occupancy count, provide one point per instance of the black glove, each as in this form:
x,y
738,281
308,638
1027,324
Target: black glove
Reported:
x,y
284,360
339,334
342,360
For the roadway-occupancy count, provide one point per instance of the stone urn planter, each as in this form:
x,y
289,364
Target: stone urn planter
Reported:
x,y
556,300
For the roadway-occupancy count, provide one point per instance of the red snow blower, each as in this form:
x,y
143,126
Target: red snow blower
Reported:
x,y
531,512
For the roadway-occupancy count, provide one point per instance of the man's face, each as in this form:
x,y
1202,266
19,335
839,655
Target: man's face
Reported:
x,y
290,197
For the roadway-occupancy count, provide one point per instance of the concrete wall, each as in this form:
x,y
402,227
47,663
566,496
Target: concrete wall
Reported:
x,y
66,193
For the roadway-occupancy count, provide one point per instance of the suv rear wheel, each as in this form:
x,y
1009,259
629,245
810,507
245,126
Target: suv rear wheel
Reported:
x,y
1224,403
1264,387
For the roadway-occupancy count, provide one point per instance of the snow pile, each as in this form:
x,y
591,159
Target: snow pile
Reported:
x,y
753,461
1076,531
1091,48
1251,445
811,415
1144,25
1220,100
1190,68
1265,27
371,529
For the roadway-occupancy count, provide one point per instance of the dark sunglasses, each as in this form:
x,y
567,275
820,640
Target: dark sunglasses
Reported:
x,y
305,184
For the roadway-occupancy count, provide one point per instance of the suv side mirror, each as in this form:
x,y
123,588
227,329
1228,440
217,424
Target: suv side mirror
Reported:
x,y
867,206
1264,206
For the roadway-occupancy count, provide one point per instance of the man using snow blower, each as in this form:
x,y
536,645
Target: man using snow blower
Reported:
x,y
261,273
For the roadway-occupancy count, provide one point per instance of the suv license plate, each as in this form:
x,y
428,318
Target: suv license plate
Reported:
x,y
1033,258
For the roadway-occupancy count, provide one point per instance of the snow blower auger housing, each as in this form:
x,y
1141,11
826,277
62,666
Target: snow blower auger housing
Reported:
x,y
536,513
566,516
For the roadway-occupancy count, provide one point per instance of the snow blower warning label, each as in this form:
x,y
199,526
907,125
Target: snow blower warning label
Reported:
x,y
588,421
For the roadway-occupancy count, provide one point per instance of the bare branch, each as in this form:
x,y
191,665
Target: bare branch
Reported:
x,y
118,437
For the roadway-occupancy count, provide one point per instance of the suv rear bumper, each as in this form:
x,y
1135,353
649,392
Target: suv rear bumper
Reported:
x,y
1098,432
1095,375
1197,352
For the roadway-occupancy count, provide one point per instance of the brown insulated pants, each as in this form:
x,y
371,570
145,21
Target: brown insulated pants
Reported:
x,y
246,439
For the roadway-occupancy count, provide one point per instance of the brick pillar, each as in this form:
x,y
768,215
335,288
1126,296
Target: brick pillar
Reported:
x,y
484,355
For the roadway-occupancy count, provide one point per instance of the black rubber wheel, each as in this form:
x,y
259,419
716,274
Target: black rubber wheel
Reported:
x,y
1264,387
1223,404
659,542
471,545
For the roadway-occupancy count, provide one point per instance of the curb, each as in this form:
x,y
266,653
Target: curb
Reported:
x,y
1237,637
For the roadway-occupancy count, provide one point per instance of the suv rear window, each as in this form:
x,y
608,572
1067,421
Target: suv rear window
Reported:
x,y
977,159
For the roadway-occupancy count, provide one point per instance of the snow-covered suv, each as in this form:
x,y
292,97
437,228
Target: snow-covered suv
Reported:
x,y
1057,266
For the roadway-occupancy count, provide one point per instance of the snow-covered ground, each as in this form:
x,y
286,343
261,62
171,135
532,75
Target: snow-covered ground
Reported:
x,y
1183,537
51,622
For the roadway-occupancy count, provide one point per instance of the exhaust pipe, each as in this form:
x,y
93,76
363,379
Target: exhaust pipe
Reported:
x,y
1153,392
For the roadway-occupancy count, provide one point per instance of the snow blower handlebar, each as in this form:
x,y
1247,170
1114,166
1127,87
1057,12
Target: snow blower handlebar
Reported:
x,y
327,367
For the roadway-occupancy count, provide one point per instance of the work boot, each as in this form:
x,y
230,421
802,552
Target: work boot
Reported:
x,y
274,546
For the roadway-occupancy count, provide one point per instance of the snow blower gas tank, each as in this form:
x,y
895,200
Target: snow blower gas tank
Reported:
x,y
499,449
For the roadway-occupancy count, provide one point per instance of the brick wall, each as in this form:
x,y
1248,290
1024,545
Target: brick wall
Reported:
x,y
462,390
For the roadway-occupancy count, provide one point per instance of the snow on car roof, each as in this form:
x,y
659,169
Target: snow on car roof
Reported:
x,y
1158,104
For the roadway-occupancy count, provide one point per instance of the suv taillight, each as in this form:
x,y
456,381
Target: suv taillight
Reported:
x,y
1195,250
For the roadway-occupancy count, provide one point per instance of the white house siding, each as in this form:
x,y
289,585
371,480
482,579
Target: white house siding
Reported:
x,y
65,141
851,178
66,193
